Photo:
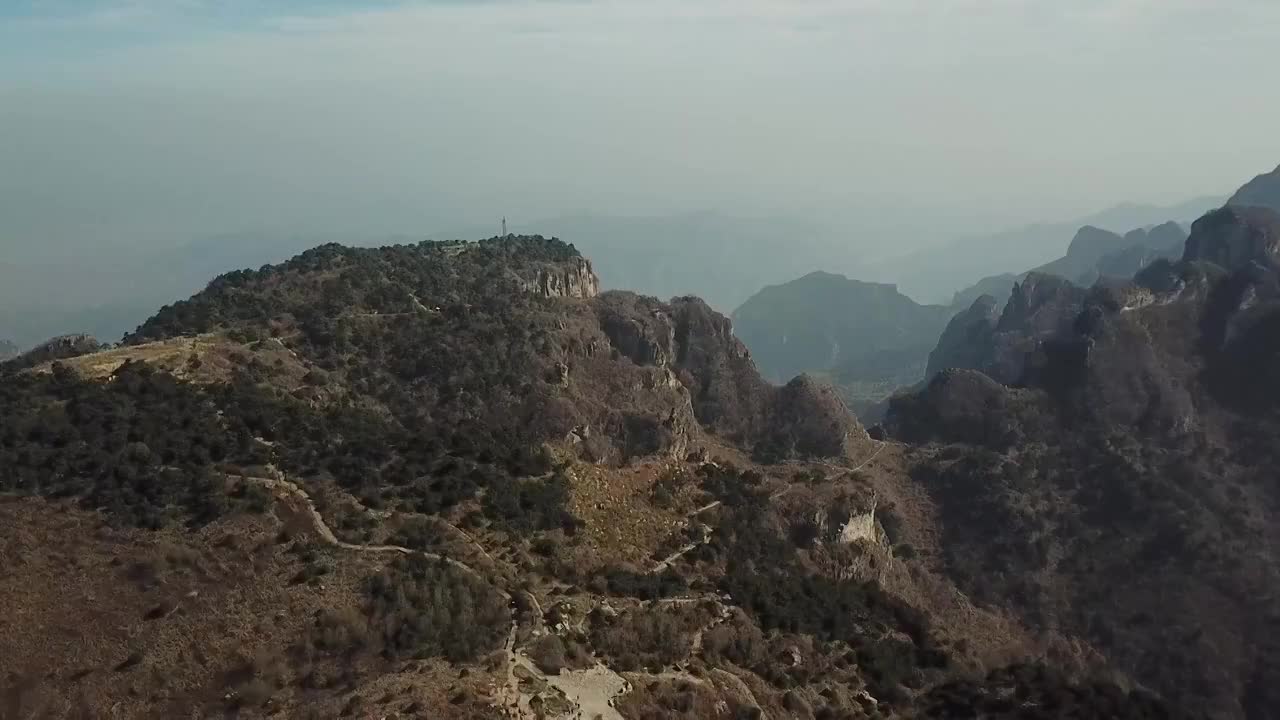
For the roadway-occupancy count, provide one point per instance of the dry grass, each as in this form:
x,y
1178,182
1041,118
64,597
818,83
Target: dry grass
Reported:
x,y
621,523
111,623
207,358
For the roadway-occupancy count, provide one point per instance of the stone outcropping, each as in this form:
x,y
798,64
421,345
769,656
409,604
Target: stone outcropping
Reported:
x,y
692,345
966,341
58,348
572,278
1039,307
1233,237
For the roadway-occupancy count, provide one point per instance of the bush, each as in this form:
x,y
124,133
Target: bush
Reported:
x,y
426,608
548,654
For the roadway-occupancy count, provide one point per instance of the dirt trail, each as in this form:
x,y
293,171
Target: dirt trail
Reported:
x,y
326,534
593,690
689,547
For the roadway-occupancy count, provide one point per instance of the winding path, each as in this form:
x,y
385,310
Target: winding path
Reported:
x,y
326,534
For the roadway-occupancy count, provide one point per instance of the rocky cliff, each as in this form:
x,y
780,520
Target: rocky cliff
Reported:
x,y
571,278
1234,237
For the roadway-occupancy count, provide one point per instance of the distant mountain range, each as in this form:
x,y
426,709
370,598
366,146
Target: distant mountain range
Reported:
x,y
934,274
1093,253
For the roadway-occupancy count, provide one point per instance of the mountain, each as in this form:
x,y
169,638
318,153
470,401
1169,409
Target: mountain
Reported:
x,y
720,258
868,337
1262,191
8,350
457,480
1093,254
933,274
1113,481
108,293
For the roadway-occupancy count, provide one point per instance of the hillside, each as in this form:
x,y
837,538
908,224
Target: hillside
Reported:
x,y
1117,486
8,350
452,480
455,480
868,338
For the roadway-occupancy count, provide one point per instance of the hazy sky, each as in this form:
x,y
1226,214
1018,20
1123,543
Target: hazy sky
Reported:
x,y
158,120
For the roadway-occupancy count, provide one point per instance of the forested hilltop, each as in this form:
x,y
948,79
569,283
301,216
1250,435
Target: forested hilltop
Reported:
x,y
456,480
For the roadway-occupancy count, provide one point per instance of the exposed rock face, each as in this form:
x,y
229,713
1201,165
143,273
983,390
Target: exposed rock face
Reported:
x,y
572,278
58,348
965,342
688,340
1039,306
1233,237
1262,191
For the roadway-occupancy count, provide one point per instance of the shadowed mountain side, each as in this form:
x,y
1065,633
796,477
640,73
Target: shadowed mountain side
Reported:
x,y
1123,485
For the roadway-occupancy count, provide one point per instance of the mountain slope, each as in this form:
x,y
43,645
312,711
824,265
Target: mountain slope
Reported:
x,y
868,337
451,480
1118,487
1262,191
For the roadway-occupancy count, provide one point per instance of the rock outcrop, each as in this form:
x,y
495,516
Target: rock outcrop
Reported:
x,y
966,341
571,278
695,347
1039,307
1233,237
58,348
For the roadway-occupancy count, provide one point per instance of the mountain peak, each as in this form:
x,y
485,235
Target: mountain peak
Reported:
x,y
1235,236
1262,191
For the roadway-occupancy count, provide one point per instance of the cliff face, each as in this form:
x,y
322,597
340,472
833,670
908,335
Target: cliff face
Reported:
x,y
966,341
1122,477
726,393
1039,307
571,278
1235,236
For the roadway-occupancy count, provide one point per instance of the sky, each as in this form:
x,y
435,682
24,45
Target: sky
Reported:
x,y
152,122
